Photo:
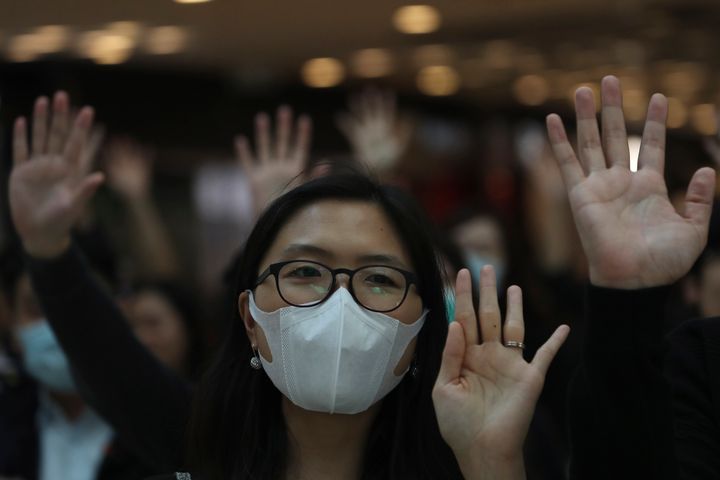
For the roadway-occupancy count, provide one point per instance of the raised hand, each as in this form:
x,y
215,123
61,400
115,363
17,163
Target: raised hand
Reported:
x,y
378,137
276,163
631,234
485,393
49,183
129,169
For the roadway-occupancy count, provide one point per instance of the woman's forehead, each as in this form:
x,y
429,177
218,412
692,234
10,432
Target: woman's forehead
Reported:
x,y
339,229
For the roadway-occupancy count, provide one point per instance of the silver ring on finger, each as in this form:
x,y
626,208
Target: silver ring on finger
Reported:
x,y
514,344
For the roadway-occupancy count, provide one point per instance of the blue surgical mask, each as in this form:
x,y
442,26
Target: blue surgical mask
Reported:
x,y
476,262
43,357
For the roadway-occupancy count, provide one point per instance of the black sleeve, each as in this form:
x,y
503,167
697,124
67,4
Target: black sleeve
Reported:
x,y
693,369
620,414
146,403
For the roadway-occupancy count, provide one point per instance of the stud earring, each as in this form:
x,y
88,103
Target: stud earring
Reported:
x,y
255,363
414,370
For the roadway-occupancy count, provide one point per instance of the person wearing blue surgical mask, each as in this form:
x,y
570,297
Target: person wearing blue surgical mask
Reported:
x,y
71,438
483,243
49,429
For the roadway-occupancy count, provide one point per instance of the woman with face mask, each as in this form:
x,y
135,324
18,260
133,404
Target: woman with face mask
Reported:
x,y
335,366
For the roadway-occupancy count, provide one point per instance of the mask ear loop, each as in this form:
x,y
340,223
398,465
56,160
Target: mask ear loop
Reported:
x,y
414,369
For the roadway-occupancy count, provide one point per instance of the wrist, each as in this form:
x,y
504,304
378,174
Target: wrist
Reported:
x,y
486,466
622,283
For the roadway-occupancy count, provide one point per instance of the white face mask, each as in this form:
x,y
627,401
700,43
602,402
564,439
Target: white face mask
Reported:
x,y
335,357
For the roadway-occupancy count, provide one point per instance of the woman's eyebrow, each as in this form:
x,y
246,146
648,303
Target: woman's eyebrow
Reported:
x,y
305,248
382,258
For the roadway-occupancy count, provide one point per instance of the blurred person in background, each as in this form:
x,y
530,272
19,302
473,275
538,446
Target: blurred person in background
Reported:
x,y
47,430
482,241
164,317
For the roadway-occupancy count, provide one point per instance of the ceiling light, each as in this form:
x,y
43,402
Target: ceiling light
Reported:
x,y
677,113
106,48
704,119
23,48
126,28
322,72
51,38
531,90
165,40
438,80
416,19
635,102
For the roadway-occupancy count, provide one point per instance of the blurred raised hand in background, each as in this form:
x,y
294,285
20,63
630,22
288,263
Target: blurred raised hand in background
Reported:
x,y
280,157
129,168
377,134
50,183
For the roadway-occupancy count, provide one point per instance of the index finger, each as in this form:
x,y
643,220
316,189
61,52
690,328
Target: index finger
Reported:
x,y
570,168
20,142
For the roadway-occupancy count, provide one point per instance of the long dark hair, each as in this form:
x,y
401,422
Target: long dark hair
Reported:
x,y
238,431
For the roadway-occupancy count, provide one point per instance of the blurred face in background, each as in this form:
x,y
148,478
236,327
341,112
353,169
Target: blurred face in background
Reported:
x,y
159,326
42,355
482,243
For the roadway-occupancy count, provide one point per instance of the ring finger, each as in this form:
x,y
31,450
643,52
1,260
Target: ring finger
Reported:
x,y
514,328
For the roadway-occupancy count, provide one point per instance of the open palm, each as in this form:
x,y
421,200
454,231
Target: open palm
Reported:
x,y
485,394
631,233
280,160
49,183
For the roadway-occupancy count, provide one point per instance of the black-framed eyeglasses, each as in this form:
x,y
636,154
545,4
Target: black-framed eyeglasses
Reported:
x,y
304,283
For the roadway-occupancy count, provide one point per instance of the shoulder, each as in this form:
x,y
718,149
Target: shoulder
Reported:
x,y
700,329
694,354
699,338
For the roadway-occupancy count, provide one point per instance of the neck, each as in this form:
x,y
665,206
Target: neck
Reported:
x,y
325,446
71,404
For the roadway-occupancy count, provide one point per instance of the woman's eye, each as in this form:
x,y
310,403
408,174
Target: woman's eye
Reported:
x,y
380,280
304,272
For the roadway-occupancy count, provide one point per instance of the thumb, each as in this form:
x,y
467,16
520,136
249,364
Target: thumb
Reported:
x,y
545,354
87,188
699,197
453,354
